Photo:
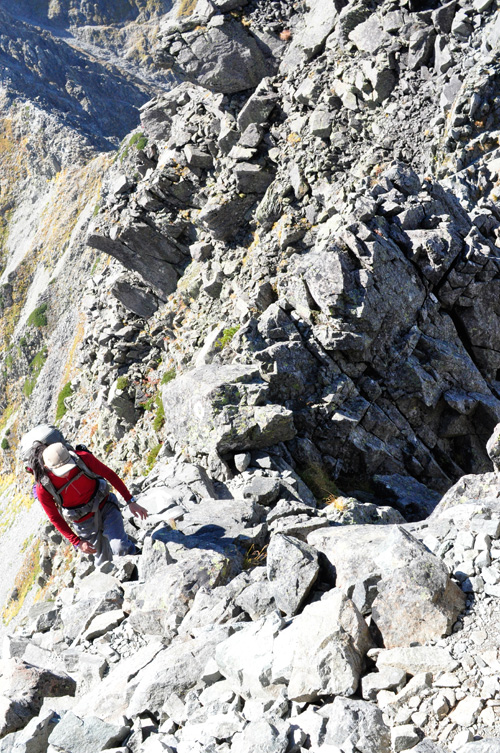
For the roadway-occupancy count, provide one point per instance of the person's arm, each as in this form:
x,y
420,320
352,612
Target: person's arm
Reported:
x,y
95,465
55,516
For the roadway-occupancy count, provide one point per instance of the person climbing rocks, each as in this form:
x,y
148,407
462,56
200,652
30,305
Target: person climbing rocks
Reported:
x,y
73,489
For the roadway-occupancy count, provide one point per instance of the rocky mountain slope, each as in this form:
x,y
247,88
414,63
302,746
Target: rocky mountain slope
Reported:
x,y
281,284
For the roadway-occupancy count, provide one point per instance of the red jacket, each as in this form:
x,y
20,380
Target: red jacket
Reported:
x,y
78,493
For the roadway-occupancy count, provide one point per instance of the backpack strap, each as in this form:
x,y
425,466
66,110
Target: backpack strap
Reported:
x,y
56,494
51,489
79,462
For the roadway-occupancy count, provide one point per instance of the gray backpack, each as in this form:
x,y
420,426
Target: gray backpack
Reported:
x,y
45,435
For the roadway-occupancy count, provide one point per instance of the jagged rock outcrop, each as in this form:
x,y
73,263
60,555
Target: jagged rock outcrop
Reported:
x,y
371,281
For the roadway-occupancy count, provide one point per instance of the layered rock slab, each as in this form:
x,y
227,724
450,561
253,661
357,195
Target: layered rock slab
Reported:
x,y
220,408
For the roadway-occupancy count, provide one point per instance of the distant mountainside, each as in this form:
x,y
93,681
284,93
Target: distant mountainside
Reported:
x,y
64,13
94,98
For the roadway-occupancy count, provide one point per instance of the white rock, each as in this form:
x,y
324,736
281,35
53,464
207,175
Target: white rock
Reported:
x,y
465,540
487,717
490,575
388,678
311,723
467,711
461,738
103,623
417,659
490,687
385,698
447,680
419,718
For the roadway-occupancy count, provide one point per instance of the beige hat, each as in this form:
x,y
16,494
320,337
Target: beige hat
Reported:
x,y
57,459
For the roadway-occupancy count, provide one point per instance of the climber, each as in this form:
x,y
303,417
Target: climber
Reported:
x,y
73,491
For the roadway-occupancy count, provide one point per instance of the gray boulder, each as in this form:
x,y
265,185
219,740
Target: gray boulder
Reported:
x,y
176,669
22,690
42,617
318,23
428,746
416,599
388,678
223,213
256,599
86,735
350,511
356,723
165,597
167,546
34,737
220,408
263,490
109,698
137,300
292,569
471,491
418,659
321,653
221,56
258,107
245,659
493,448
252,178
488,745
443,16
104,623
221,518
369,36
121,402
420,49
97,593
142,248
249,592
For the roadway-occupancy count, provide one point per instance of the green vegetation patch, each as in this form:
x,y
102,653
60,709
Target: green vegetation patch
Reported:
x,y
137,140
148,404
108,446
226,338
159,419
38,317
152,455
61,409
168,376
122,383
5,444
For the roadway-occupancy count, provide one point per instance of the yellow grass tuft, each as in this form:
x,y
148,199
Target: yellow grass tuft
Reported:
x,y
24,582
186,8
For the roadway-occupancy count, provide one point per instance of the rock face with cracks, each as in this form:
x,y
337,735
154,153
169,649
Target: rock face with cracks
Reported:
x,y
273,311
